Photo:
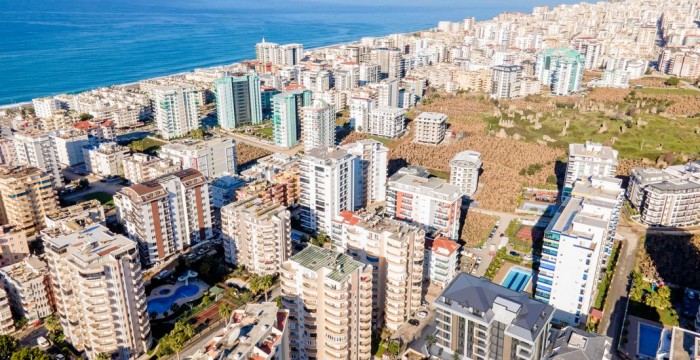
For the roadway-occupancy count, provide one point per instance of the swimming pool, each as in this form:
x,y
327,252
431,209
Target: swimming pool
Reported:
x,y
517,279
648,340
162,304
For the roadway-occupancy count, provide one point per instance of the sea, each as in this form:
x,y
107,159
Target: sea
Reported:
x,y
48,47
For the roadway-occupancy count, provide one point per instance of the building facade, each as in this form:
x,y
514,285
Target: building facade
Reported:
x,y
374,163
561,69
589,159
35,148
214,157
318,125
105,159
27,196
464,171
139,167
430,128
28,287
287,116
441,260
176,110
238,101
505,83
388,122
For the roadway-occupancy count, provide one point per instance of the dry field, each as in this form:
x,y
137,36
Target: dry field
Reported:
x,y
247,153
477,227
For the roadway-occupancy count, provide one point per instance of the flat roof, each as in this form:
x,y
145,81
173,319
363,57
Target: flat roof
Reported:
x,y
314,258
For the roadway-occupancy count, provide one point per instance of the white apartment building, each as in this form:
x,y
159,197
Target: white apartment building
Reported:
x,y
214,158
7,152
360,110
69,146
14,244
35,148
99,292
256,235
7,324
430,128
464,171
167,215
505,82
139,167
387,122
329,298
105,159
27,285
388,93
441,260
477,319
430,202
318,125
176,110
394,250
46,107
329,182
223,190
589,159
576,245
374,164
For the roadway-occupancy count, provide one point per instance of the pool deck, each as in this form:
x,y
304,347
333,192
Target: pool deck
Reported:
x,y
155,293
632,346
505,269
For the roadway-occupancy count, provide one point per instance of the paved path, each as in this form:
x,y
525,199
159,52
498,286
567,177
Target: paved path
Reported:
x,y
263,145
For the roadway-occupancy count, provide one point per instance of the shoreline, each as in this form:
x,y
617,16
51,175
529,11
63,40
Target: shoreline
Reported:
x,y
19,105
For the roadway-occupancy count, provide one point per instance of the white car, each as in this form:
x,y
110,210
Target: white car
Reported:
x,y
422,314
43,343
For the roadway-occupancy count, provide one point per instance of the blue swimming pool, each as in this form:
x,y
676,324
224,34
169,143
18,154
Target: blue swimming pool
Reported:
x,y
517,279
163,304
648,340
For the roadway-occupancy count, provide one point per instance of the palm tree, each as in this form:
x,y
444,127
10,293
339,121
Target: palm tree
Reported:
x,y
261,283
430,340
225,312
52,324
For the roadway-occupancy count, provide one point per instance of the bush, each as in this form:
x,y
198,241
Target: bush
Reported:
x,y
672,81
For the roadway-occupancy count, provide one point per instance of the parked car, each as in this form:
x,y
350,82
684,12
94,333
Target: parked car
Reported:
x,y
422,314
414,322
514,253
43,343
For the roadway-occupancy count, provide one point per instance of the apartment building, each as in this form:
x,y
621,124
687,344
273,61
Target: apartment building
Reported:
x,y
374,164
318,125
256,235
238,101
388,93
394,250
69,146
105,159
267,335
505,82
571,343
668,197
7,152
576,243
35,148
214,157
477,319
176,110
561,69
14,245
430,202
589,159
99,292
464,171
28,287
329,298
388,122
287,116
75,216
223,190
46,107
360,110
167,215
329,182
441,264
430,128
284,189
27,196
7,323
139,167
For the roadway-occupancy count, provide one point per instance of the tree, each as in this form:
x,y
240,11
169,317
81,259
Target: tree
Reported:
x,y
52,324
456,356
104,356
430,340
85,117
637,290
33,353
8,345
261,283
672,81
394,348
225,312
83,183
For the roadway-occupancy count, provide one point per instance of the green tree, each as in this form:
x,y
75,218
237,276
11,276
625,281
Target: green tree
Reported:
x,y
672,81
430,340
104,356
637,289
8,345
33,353
52,324
225,312
456,356
394,348
85,117
261,283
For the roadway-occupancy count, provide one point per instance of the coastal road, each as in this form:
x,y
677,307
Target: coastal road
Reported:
x,y
616,302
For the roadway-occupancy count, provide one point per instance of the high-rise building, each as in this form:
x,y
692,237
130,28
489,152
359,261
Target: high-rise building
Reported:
x,y
287,116
388,93
577,242
387,122
390,63
99,292
430,202
360,110
176,110
590,49
27,196
505,82
329,298
7,152
7,323
69,146
369,73
318,124
214,158
430,128
394,250
589,159
14,245
477,319
561,69
35,148
441,260
273,53
167,215
329,182
256,235
291,54
238,101
374,163
46,107
28,287
139,167
464,171
105,159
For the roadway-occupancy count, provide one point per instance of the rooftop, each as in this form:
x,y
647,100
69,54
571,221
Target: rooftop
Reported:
x,y
593,150
433,117
574,344
315,258
433,187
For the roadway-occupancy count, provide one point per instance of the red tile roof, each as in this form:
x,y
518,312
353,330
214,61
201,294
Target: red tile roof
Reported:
x,y
446,244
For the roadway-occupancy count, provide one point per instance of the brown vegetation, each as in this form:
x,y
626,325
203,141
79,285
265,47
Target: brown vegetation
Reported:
x,y
247,153
668,258
649,81
625,166
607,95
477,228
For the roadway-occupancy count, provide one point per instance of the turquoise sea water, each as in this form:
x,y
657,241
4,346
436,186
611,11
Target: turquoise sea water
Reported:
x,y
54,46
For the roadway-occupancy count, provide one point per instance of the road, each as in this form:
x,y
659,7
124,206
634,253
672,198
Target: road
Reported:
x,y
504,220
263,145
616,302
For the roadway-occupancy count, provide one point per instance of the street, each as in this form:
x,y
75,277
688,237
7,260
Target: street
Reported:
x,y
248,140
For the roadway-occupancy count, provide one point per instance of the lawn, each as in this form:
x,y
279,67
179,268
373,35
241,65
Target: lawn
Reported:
x,y
445,175
148,145
383,140
265,132
103,197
